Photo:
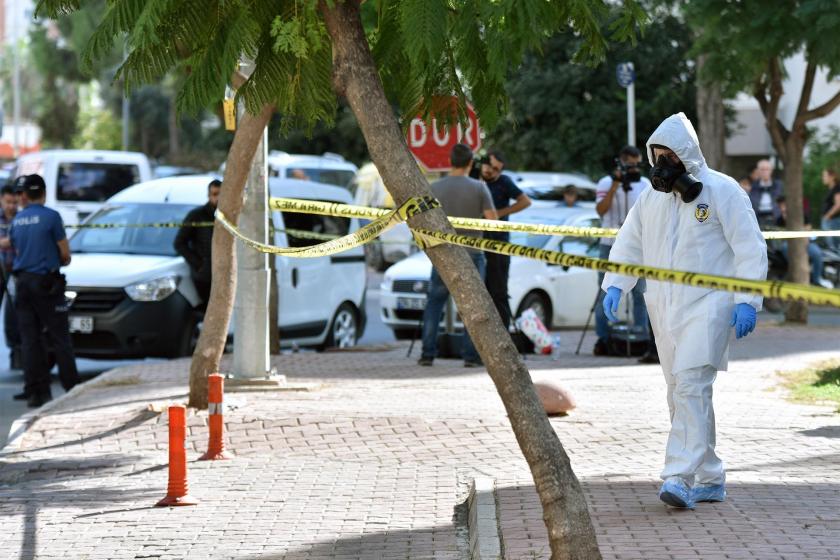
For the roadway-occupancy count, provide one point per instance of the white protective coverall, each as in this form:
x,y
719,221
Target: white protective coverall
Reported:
x,y
717,233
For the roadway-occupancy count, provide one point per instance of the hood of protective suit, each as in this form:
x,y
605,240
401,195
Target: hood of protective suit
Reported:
x,y
677,133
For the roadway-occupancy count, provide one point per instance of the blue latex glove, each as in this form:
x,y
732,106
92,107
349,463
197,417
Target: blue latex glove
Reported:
x,y
743,319
611,301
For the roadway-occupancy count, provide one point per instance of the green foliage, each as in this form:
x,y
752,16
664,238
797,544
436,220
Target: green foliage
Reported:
x,y
424,48
570,117
823,153
98,129
740,38
343,137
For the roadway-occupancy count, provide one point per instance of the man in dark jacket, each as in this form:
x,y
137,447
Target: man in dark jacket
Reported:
x,y
195,243
763,194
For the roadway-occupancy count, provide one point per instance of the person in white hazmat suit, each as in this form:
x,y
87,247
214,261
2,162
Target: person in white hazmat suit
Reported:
x,y
699,220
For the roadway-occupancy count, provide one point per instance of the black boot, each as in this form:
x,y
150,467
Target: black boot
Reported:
x,y
21,396
35,401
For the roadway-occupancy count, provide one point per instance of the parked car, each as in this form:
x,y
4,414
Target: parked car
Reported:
x,y
132,296
549,185
395,244
561,297
80,181
163,171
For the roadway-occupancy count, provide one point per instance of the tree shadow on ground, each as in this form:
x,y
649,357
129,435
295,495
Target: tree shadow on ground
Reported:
x,y
823,431
41,486
140,417
427,543
631,521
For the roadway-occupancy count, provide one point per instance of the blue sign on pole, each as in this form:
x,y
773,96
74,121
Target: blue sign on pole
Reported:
x,y
625,74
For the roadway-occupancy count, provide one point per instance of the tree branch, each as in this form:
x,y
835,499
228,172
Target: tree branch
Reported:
x,y
823,109
805,96
770,108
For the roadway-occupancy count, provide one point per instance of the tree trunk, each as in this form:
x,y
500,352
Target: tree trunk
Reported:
x,y
211,343
355,76
712,130
798,266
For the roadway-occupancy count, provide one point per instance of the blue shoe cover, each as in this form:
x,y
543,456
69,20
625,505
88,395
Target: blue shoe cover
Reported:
x,y
676,493
710,493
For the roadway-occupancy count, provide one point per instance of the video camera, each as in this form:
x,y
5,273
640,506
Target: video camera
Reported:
x,y
627,173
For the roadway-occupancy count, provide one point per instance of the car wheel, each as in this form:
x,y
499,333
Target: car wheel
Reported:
x,y
540,304
344,328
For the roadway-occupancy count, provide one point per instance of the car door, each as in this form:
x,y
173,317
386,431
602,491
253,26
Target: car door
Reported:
x,y
305,284
575,287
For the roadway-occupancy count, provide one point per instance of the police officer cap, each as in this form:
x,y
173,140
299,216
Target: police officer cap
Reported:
x,y
31,184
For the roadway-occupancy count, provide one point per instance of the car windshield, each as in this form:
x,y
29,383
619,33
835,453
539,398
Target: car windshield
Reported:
x,y
558,217
131,240
547,192
94,182
337,177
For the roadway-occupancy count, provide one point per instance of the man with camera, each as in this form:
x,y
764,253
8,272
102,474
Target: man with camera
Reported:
x,y
615,196
503,191
41,249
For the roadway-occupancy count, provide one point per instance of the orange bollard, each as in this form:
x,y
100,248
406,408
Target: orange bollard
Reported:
x,y
177,492
215,398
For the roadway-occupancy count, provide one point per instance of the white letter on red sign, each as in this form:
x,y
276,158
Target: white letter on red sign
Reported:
x,y
470,129
435,135
417,133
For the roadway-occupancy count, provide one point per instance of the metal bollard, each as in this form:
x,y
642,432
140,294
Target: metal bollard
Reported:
x,y
177,491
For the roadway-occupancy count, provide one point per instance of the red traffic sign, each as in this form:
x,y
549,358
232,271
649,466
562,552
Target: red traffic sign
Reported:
x,y
431,145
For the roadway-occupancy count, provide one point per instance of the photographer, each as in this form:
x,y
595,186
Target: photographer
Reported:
x,y
616,195
41,249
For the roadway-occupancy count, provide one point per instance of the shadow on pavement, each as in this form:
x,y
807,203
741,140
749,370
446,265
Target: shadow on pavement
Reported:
x,y
140,417
631,522
824,431
420,543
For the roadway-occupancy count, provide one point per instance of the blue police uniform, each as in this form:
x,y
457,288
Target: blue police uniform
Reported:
x,y
39,300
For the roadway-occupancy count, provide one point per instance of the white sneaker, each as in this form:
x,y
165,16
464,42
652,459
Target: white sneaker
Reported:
x,y
826,283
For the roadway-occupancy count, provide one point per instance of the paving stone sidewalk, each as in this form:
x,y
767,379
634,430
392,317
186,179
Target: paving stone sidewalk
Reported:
x,y
374,463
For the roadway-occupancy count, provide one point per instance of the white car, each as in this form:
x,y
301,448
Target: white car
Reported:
x,y
549,185
132,296
561,297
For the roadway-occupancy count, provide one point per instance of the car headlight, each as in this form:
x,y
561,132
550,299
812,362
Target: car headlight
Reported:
x,y
387,282
153,290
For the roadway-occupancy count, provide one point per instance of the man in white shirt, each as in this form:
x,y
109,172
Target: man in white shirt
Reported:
x,y
616,194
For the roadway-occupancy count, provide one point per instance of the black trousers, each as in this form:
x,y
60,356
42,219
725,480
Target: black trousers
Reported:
x,y
496,280
37,311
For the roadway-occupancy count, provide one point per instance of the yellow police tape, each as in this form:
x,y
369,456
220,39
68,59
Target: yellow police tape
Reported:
x,y
766,288
772,289
385,221
352,211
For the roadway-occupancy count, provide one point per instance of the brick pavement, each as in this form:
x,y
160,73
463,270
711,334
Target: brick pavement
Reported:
x,y
375,462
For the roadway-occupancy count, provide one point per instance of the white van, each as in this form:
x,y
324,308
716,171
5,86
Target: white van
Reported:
x,y
328,168
132,296
80,181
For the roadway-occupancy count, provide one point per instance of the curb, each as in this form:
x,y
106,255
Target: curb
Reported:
x,y
25,421
485,543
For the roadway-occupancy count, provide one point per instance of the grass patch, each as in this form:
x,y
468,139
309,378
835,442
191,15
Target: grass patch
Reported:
x,y
817,384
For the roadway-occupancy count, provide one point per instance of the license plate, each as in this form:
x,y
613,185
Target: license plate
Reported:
x,y
80,324
411,303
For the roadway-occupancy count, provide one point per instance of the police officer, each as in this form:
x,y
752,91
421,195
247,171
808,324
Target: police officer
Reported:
x,y
41,248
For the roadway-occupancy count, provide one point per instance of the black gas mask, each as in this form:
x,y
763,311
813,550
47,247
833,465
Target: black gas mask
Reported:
x,y
668,177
